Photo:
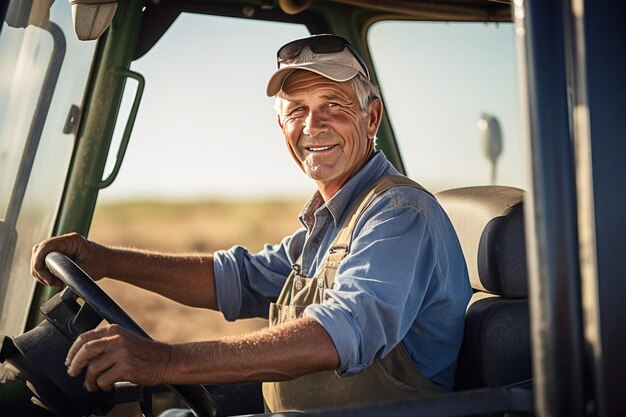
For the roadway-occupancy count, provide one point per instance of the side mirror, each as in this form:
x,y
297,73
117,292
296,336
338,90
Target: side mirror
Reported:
x,y
92,17
491,138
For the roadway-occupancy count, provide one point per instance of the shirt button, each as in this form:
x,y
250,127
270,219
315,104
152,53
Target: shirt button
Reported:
x,y
315,243
320,282
298,285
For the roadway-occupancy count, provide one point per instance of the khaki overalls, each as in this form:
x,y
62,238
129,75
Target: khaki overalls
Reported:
x,y
394,377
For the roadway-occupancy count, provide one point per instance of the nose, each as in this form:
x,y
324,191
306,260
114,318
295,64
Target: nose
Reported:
x,y
315,123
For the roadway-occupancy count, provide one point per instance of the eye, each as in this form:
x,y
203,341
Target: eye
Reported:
x,y
296,112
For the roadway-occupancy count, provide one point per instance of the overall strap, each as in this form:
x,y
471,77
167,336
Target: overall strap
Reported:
x,y
341,245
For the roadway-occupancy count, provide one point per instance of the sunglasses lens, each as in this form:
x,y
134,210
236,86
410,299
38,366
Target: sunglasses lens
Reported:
x,y
327,45
318,45
291,50
324,44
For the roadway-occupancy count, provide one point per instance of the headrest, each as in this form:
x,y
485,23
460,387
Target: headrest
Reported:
x,y
489,221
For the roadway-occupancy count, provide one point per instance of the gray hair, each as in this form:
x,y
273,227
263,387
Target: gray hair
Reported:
x,y
365,90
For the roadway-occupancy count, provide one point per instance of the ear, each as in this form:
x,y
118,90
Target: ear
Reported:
x,y
374,117
278,107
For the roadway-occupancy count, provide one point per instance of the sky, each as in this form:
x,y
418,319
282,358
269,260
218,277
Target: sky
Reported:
x,y
205,128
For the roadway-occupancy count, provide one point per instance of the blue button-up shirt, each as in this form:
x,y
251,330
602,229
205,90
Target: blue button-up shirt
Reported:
x,y
404,279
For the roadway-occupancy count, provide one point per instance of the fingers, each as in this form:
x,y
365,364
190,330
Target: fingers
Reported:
x,y
87,347
111,354
100,374
39,269
67,244
92,352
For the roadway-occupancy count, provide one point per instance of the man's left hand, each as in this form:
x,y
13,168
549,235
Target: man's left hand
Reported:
x,y
111,354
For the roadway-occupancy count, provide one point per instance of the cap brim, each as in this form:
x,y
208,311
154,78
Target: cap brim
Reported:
x,y
335,72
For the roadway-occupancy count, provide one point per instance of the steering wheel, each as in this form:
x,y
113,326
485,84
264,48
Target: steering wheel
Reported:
x,y
65,315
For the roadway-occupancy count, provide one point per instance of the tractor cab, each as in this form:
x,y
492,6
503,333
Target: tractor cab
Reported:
x,y
509,111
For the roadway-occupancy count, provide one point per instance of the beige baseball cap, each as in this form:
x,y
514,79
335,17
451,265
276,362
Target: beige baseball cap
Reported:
x,y
327,55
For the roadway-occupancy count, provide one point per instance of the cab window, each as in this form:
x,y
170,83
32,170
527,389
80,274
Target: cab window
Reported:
x,y
448,87
205,127
43,75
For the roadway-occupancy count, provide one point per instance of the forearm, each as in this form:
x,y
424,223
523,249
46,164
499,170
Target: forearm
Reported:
x,y
185,278
278,353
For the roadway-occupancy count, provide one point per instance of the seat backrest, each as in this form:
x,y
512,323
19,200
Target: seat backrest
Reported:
x,y
496,344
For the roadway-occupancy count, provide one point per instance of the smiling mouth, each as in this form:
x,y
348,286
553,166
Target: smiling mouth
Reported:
x,y
319,148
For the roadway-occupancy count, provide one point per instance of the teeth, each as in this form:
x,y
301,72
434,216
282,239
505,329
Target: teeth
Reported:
x,y
322,148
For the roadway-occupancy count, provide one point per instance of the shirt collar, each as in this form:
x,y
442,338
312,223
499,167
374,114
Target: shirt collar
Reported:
x,y
376,167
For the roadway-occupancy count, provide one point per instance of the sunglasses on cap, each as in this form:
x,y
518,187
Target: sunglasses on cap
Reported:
x,y
318,44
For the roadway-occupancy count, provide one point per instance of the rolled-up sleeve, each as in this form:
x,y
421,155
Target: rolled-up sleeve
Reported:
x,y
380,286
247,283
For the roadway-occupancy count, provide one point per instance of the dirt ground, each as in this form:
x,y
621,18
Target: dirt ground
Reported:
x,y
187,227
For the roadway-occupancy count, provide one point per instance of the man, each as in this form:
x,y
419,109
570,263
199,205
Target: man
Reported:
x,y
366,302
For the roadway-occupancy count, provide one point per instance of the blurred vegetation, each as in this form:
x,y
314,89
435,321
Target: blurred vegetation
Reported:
x,y
195,226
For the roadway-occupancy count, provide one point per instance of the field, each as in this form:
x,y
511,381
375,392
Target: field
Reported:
x,y
187,227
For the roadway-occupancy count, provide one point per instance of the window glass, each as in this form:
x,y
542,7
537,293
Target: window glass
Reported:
x,y
38,65
205,127
445,86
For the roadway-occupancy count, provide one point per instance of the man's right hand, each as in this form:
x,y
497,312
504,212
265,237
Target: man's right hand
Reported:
x,y
91,257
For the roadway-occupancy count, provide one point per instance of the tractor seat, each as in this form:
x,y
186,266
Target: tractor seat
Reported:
x,y
489,221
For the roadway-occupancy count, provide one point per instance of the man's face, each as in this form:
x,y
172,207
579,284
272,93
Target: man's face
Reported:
x,y
325,129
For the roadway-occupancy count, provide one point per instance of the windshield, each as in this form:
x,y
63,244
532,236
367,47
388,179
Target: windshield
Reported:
x,y
43,73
